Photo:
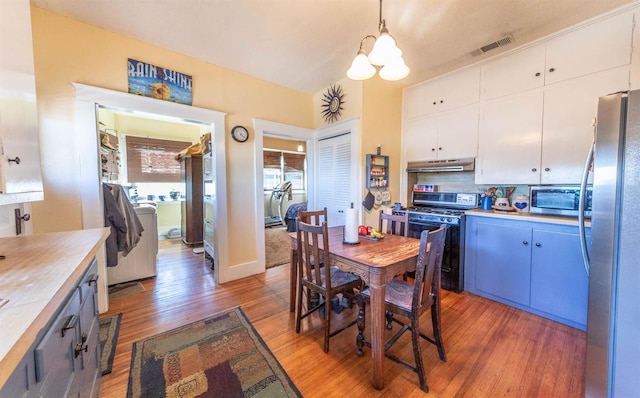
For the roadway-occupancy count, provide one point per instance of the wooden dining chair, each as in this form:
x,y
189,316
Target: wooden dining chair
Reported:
x,y
396,224
410,301
320,277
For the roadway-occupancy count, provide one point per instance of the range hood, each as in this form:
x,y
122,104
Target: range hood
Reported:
x,y
433,166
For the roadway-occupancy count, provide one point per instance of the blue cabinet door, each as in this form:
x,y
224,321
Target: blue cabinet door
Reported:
x,y
503,260
559,282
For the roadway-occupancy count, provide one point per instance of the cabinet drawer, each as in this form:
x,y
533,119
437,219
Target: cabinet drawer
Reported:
x,y
88,285
55,362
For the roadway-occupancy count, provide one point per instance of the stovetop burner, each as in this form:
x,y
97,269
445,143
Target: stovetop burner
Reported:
x,y
434,210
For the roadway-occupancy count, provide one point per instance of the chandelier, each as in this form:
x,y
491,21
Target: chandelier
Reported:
x,y
385,56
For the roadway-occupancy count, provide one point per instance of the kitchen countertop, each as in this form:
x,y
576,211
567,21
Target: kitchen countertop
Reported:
x,y
37,274
517,216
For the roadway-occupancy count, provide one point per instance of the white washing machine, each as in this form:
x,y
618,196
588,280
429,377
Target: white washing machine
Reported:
x,y
140,263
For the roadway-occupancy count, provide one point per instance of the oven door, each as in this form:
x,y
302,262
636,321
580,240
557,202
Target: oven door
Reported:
x,y
451,275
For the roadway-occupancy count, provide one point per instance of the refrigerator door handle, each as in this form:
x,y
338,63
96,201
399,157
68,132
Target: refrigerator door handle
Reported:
x,y
581,206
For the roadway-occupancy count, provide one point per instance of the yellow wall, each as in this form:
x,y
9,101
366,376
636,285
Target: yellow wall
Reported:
x,y
67,51
381,125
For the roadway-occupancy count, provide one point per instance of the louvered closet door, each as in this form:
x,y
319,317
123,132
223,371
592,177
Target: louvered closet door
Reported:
x,y
335,187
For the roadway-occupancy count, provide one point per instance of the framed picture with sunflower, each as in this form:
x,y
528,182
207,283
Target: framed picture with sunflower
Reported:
x,y
157,82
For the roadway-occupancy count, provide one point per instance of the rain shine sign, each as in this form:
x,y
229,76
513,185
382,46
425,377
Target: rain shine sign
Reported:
x,y
160,83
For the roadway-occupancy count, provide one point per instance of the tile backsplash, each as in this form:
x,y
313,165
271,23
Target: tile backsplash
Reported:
x,y
459,181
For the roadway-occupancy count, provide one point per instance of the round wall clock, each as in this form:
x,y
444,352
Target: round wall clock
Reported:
x,y
240,133
332,102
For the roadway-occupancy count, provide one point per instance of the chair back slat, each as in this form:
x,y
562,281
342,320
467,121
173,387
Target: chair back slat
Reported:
x,y
395,224
427,278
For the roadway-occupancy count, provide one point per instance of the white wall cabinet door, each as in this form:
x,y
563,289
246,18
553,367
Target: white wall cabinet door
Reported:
x,y
20,176
335,188
449,92
510,138
421,136
596,47
567,133
514,73
458,133
444,136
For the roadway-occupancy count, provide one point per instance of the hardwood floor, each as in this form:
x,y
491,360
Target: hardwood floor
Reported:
x,y
493,350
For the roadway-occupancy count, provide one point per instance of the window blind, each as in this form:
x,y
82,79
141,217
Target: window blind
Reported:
x,y
153,160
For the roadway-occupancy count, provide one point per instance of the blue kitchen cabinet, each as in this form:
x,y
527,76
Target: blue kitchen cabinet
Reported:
x,y
503,261
534,266
559,282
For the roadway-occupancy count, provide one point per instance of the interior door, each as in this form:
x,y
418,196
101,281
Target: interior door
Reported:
x,y
335,188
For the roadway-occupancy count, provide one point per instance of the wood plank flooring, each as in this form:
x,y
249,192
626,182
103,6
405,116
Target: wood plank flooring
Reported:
x,y
493,350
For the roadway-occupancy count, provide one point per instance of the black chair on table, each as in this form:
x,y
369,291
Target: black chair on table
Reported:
x,y
410,301
315,274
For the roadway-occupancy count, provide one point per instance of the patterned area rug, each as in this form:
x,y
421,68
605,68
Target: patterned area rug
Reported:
x,y
277,246
109,329
220,356
125,289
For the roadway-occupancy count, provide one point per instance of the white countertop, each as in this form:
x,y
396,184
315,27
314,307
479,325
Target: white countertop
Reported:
x,y
517,216
37,274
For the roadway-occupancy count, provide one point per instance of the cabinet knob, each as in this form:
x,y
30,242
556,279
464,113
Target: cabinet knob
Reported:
x,y
547,169
538,244
552,69
16,159
441,101
534,169
433,149
434,102
524,242
537,74
439,148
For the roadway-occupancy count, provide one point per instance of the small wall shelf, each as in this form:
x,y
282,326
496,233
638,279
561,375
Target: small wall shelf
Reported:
x,y
377,171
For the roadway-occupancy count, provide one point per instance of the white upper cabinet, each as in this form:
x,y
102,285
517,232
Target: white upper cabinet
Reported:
x,y
596,47
593,48
444,136
542,136
20,176
514,73
569,111
441,94
510,140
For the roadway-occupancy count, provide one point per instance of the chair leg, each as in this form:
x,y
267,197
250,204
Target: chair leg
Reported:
x,y
435,320
299,307
361,322
417,353
327,323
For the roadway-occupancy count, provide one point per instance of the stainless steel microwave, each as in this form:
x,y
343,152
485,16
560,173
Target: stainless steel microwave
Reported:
x,y
558,200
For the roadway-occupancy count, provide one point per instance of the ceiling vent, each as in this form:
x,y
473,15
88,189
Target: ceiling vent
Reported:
x,y
498,43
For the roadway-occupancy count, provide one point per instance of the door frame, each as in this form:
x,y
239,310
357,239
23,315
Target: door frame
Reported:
x,y
88,98
279,130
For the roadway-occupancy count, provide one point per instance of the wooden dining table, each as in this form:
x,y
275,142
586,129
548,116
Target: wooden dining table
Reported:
x,y
377,262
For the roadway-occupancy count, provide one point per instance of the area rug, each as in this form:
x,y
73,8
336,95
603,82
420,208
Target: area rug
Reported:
x,y
220,356
125,289
109,329
277,246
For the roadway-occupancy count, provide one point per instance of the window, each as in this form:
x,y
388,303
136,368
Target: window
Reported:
x,y
153,160
282,166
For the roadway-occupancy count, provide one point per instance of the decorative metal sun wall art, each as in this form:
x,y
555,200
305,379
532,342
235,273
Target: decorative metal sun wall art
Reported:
x,y
332,102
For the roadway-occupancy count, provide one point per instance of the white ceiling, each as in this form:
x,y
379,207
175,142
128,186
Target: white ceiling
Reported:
x,y
307,45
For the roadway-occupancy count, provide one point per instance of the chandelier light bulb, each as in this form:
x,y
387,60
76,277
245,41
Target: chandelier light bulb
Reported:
x,y
394,70
361,69
384,50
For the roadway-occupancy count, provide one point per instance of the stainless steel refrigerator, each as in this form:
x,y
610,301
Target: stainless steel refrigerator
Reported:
x,y
613,256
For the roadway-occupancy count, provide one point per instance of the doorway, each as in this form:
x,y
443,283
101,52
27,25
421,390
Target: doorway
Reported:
x,y
88,99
